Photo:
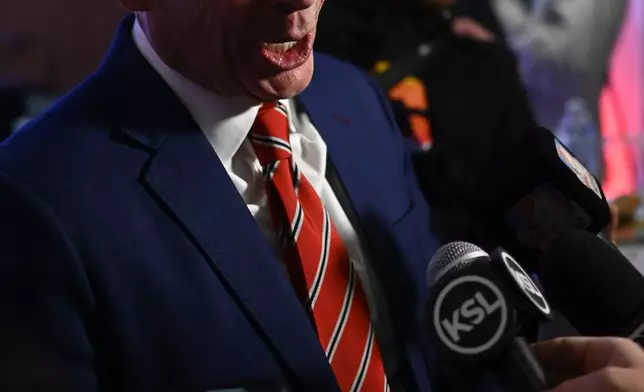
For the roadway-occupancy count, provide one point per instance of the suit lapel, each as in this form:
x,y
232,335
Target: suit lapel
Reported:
x,y
349,153
377,197
376,192
338,132
186,177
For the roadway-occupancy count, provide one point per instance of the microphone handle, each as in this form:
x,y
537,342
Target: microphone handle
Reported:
x,y
520,369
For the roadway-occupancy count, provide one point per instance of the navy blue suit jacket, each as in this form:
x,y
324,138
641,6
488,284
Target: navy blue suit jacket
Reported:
x,y
129,262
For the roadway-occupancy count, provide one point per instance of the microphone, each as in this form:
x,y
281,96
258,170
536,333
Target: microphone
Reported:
x,y
533,189
478,308
594,286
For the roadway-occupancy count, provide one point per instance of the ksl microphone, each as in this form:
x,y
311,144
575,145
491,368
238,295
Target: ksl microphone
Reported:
x,y
478,308
593,286
533,189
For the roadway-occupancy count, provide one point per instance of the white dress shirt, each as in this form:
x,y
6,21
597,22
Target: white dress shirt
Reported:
x,y
226,121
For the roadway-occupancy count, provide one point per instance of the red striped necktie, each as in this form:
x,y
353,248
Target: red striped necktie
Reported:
x,y
316,259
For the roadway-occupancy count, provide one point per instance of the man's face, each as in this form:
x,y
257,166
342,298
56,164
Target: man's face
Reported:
x,y
257,48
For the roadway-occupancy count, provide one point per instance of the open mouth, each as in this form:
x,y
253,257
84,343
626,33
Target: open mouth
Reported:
x,y
280,47
288,55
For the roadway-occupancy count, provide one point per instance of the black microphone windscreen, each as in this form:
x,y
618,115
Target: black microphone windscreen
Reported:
x,y
452,257
539,158
534,189
592,284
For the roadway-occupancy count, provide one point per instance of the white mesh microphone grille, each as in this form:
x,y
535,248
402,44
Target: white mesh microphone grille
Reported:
x,y
450,258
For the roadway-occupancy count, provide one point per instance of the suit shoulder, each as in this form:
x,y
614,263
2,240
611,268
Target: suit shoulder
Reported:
x,y
62,143
81,104
341,87
332,71
20,201
328,62
72,115
82,107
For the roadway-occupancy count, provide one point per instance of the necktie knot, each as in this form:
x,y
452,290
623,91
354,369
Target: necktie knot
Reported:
x,y
270,133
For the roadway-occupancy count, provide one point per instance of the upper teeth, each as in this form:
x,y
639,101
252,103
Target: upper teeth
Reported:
x,y
281,47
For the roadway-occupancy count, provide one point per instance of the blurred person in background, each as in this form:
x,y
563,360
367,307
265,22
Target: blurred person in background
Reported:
x,y
564,49
455,89
479,11
458,97
459,100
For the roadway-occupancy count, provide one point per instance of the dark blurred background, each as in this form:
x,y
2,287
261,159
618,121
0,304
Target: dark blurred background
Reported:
x,y
46,47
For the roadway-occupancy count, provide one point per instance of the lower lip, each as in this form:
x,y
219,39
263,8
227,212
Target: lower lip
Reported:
x,y
292,58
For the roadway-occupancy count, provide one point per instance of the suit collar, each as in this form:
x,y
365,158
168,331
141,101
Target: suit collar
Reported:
x,y
141,103
225,121
334,120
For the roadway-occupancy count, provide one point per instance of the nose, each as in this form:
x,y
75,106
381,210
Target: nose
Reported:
x,y
293,5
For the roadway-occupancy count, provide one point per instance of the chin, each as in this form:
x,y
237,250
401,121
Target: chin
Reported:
x,y
286,84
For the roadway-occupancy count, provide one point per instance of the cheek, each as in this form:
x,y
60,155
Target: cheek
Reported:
x,y
231,57
233,37
218,39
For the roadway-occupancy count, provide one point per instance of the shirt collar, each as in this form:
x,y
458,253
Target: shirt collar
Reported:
x,y
225,121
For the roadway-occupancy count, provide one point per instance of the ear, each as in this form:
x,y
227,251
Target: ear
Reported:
x,y
136,5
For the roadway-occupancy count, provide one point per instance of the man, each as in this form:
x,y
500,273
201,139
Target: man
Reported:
x,y
163,225
130,257
469,91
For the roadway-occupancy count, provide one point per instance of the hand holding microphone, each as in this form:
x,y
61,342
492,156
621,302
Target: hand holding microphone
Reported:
x,y
592,364
602,294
